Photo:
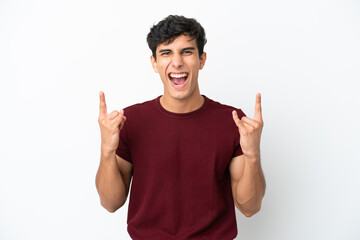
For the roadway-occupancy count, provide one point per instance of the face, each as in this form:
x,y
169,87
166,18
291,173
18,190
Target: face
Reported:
x,y
178,64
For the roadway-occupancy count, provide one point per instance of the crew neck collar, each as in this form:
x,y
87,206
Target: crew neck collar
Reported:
x,y
182,115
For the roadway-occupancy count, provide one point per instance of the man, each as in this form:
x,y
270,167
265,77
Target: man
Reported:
x,y
190,158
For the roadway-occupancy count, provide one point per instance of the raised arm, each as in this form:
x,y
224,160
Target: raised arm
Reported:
x,y
247,179
114,173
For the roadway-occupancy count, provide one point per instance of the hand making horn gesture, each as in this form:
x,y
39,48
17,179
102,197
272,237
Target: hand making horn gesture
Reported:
x,y
250,131
110,126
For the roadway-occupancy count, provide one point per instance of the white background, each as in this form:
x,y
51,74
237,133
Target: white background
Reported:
x,y
55,56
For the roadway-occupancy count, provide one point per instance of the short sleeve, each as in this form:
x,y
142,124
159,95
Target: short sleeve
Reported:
x,y
123,149
237,148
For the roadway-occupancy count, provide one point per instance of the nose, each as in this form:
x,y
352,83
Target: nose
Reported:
x,y
177,60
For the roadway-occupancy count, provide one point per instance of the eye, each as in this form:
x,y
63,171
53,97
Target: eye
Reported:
x,y
165,53
187,52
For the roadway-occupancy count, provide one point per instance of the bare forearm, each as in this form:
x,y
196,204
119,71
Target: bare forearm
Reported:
x,y
109,183
251,188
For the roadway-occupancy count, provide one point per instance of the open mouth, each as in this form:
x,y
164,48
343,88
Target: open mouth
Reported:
x,y
178,79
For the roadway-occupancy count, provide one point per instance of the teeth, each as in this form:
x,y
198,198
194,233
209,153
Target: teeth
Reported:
x,y
174,75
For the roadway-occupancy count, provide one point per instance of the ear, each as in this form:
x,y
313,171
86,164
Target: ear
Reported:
x,y
202,60
154,64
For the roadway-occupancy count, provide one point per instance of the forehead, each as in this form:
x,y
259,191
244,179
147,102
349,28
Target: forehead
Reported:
x,y
178,43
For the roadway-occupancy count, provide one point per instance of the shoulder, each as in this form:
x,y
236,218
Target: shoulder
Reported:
x,y
140,108
220,108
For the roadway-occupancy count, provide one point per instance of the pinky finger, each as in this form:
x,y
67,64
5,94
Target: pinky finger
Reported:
x,y
122,124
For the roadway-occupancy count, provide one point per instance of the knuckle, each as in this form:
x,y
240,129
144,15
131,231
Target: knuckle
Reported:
x,y
114,113
115,123
118,119
244,132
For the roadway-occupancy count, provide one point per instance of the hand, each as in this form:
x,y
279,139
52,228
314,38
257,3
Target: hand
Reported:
x,y
110,126
250,131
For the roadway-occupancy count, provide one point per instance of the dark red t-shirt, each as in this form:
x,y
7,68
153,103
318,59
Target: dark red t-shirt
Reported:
x,y
181,182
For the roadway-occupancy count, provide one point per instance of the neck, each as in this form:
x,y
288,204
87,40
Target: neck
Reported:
x,y
189,104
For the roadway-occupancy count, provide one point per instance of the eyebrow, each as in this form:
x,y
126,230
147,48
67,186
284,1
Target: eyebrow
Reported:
x,y
169,50
164,50
188,48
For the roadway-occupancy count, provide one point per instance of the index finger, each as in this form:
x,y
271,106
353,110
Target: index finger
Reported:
x,y
257,113
103,109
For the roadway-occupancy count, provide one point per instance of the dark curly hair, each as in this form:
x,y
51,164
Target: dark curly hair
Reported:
x,y
173,26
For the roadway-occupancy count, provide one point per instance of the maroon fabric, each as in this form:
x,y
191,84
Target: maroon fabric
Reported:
x,y
181,182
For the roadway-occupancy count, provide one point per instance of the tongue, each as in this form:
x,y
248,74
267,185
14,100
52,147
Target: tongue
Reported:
x,y
179,81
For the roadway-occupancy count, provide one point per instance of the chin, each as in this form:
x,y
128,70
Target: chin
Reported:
x,y
179,96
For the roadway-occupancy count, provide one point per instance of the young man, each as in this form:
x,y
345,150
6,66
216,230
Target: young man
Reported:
x,y
190,158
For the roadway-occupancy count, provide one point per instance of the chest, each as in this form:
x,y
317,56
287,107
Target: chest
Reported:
x,y
192,147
